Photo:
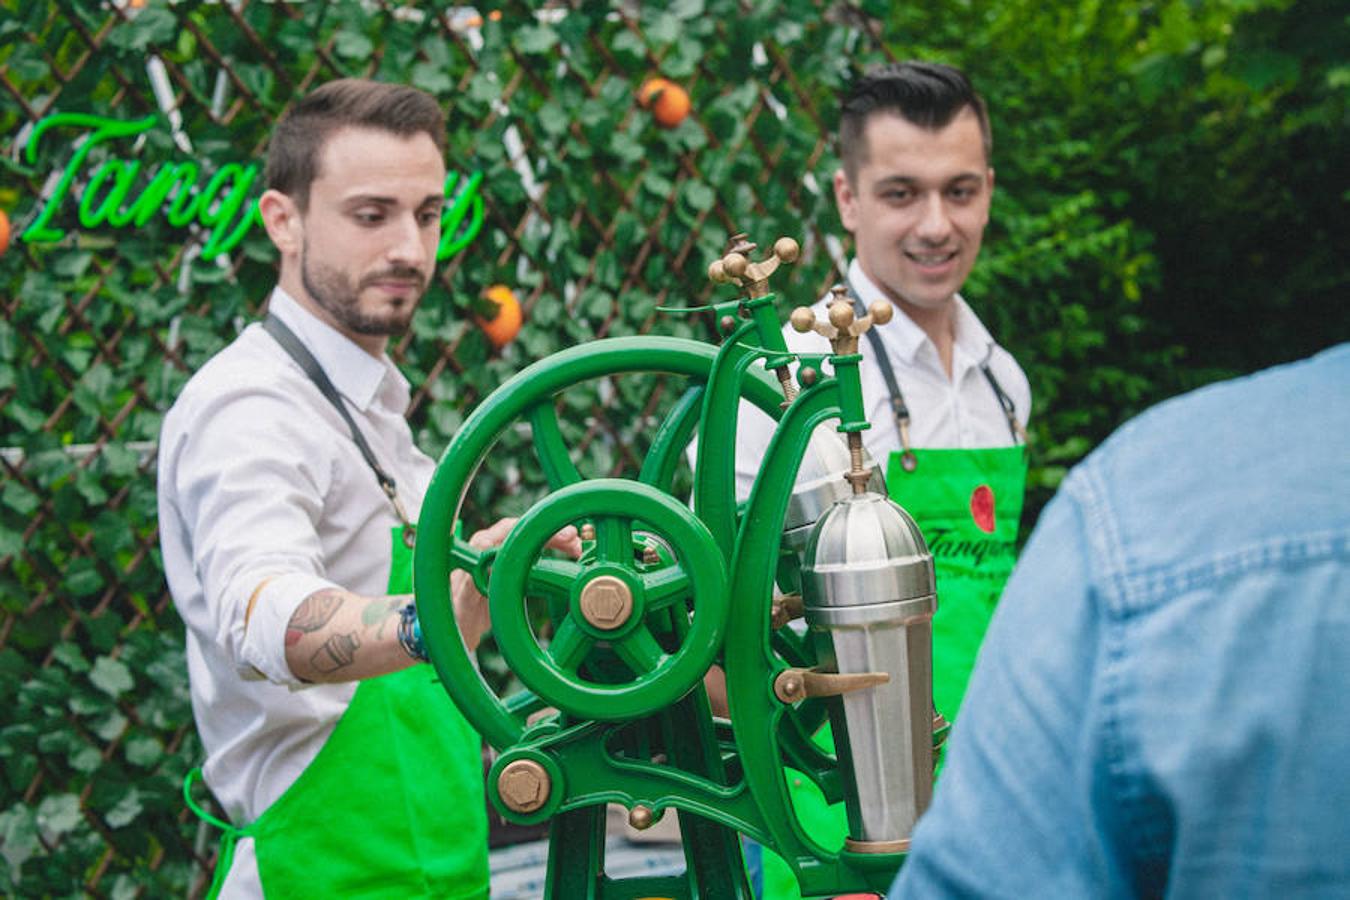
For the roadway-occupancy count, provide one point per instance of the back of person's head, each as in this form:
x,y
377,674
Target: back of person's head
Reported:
x,y
299,137
929,95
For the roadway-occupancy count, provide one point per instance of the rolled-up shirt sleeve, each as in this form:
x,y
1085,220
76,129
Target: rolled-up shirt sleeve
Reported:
x,y
249,478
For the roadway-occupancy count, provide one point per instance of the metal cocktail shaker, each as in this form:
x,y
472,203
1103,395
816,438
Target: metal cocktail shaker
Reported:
x,y
869,594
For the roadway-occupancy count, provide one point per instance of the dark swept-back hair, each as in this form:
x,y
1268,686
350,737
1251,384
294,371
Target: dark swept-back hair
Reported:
x,y
293,152
929,95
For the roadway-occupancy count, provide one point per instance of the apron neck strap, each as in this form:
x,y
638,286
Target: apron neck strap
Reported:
x,y
898,407
883,360
300,353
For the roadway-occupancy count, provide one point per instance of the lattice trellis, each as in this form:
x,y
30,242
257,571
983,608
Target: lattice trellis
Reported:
x,y
593,213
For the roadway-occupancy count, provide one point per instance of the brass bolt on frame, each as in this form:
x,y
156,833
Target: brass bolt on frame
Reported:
x,y
524,786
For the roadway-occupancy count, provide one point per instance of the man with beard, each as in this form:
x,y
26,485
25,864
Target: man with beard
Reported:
x,y
287,475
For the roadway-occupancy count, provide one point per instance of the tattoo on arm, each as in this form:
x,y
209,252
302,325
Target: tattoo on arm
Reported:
x,y
380,613
314,612
336,653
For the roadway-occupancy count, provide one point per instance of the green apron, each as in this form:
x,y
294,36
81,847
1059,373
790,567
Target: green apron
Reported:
x,y
391,807
968,504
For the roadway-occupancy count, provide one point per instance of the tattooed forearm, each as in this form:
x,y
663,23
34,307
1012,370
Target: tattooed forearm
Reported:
x,y
335,635
338,652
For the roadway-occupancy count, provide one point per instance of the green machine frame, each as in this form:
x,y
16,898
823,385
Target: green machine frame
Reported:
x,y
614,708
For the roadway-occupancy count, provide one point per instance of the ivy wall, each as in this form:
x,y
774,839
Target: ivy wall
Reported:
x,y
1116,269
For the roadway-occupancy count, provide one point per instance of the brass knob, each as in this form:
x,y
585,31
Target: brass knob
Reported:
x,y
641,817
843,328
524,786
802,319
736,268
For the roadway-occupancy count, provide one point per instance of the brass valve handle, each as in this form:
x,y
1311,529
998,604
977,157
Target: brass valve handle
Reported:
x,y
752,277
792,685
842,330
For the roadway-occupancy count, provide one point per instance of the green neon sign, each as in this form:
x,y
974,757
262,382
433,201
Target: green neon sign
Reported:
x,y
222,206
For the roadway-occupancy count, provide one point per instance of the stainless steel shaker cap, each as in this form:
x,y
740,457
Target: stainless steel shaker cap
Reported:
x,y
866,549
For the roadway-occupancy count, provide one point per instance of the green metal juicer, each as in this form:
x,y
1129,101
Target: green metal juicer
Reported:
x,y
615,709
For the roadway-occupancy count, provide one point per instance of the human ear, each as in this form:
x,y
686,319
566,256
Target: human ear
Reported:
x,y
846,198
281,218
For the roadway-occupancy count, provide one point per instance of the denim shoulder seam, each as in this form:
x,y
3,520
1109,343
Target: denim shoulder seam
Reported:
x,y
1144,589
1101,530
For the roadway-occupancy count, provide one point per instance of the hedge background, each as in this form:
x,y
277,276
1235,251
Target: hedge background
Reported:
x,y
1171,208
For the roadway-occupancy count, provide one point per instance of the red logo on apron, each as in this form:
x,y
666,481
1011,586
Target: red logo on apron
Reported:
x,y
982,508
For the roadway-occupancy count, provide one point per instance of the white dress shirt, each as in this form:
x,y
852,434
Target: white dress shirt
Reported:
x,y
262,490
960,411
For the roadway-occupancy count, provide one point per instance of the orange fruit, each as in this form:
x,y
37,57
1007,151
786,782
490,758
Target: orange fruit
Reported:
x,y
668,101
502,326
4,231
649,88
671,106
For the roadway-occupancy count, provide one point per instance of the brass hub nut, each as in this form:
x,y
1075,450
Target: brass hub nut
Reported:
x,y
524,786
606,602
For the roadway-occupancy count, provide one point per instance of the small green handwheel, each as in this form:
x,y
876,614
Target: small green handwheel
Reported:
x,y
610,596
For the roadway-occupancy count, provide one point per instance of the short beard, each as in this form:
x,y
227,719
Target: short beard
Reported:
x,y
336,295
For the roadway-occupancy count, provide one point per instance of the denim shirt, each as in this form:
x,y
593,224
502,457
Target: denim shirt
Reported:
x,y
1162,703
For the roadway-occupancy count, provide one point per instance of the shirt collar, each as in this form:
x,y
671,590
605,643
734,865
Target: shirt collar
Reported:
x,y
904,338
356,374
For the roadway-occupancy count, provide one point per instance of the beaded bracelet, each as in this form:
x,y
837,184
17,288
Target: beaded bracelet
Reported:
x,y
410,633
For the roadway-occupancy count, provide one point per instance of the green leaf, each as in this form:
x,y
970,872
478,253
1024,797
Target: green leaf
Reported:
x,y
143,751
82,578
686,9
19,498
86,760
111,677
152,25
485,87
698,195
432,78
69,655
126,810
19,835
657,184
664,29
58,814
535,38
72,265
353,45
111,727
552,118
626,41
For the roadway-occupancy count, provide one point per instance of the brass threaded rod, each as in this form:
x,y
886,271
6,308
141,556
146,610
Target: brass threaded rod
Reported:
x,y
857,476
785,379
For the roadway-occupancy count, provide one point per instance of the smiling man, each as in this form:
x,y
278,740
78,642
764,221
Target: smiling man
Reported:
x,y
287,474
948,405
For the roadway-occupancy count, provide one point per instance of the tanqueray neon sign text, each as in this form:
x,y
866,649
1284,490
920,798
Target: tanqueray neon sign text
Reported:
x,y
222,207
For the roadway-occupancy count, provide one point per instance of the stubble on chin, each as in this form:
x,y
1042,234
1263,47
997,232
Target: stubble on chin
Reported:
x,y
334,292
